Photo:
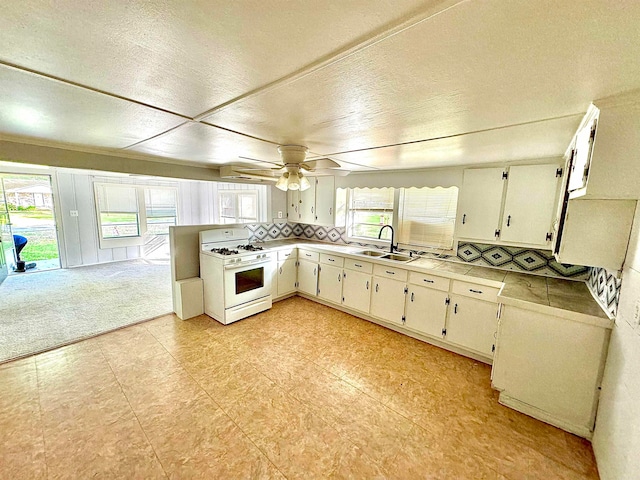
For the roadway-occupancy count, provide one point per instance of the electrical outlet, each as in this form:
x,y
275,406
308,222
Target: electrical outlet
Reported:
x,y
73,213
280,214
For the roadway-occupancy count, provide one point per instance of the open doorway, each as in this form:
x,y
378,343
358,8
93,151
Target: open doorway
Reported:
x,y
29,203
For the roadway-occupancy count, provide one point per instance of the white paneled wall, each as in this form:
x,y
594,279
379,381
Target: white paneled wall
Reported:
x,y
616,442
197,205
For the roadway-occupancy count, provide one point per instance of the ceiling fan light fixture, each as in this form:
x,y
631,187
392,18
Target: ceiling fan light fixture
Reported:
x,y
293,183
304,183
283,181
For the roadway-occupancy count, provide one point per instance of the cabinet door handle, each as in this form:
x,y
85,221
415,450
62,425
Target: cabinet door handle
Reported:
x,y
344,275
412,296
509,221
464,218
390,273
455,308
475,291
339,277
330,211
376,288
280,270
427,280
311,209
314,272
367,284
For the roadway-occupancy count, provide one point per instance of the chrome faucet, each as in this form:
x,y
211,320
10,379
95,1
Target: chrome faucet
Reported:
x,y
392,247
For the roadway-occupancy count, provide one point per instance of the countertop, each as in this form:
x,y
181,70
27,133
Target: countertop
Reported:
x,y
569,299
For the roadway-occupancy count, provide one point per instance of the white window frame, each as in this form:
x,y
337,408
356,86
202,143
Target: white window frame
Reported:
x,y
132,241
398,191
236,193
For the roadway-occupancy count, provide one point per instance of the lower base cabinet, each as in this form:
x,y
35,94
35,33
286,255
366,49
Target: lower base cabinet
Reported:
x,y
472,324
426,310
550,368
330,283
356,290
308,277
388,299
286,276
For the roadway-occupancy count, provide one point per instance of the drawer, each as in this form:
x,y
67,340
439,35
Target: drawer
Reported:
x,y
331,260
307,255
390,272
358,265
428,280
288,253
490,294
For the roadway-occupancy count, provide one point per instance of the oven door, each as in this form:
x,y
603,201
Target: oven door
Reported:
x,y
245,283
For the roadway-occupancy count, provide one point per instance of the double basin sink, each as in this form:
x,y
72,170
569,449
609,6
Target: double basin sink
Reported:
x,y
394,257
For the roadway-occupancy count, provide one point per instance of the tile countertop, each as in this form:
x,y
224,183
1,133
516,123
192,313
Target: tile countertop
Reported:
x,y
568,299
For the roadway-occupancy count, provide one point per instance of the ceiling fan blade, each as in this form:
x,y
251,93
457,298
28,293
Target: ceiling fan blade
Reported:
x,y
261,169
320,163
331,171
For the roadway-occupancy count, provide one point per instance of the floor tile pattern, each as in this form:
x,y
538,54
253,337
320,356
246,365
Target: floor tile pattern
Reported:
x,y
300,391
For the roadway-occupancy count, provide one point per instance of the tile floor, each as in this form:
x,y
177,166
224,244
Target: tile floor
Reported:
x,y
301,391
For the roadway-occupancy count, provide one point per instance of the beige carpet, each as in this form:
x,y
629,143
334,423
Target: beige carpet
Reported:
x,y
40,311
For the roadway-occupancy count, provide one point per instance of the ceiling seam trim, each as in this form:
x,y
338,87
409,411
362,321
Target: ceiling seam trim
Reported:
x,y
88,88
407,22
444,137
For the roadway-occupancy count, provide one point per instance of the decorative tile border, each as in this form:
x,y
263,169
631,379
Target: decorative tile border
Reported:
x,y
606,289
538,262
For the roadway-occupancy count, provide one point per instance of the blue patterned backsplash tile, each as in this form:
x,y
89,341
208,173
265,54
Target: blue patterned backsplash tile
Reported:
x,y
537,262
605,288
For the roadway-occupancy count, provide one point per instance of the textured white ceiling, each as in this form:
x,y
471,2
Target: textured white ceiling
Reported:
x,y
349,79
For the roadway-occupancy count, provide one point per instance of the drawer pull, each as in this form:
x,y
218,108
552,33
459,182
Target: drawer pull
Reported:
x,y
357,265
331,259
308,254
475,291
427,280
390,273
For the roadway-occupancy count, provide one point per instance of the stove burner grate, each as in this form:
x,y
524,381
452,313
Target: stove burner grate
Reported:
x,y
250,248
224,251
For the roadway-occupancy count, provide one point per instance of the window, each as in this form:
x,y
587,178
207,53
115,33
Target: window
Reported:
x,y
427,216
422,217
118,213
126,212
238,206
368,209
161,209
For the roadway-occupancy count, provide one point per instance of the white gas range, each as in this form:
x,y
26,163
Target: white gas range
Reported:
x,y
236,275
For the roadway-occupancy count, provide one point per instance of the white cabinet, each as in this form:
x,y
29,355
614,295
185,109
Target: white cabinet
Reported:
x,y
356,290
387,299
550,367
530,204
480,203
286,276
308,204
514,205
308,272
330,283
316,204
472,324
426,310
325,199
293,205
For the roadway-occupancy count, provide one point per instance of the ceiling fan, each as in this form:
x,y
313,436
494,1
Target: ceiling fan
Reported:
x,y
293,163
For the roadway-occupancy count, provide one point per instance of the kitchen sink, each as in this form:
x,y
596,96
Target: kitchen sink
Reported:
x,y
397,258
372,253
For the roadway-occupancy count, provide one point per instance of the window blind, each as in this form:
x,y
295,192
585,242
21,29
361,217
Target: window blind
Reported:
x,y
427,216
369,209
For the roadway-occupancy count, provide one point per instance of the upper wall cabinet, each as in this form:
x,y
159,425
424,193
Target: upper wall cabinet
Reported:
x,y
513,205
605,152
315,205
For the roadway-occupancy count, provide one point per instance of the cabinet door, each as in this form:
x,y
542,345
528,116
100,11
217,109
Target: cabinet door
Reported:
x,y
308,277
426,310
530,204
480,203
325,193
387,299
472,324
356,290
293,205
330,283
287,271
308,204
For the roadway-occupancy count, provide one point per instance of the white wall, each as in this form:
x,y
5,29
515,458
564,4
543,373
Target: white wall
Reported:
x,y
616,441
